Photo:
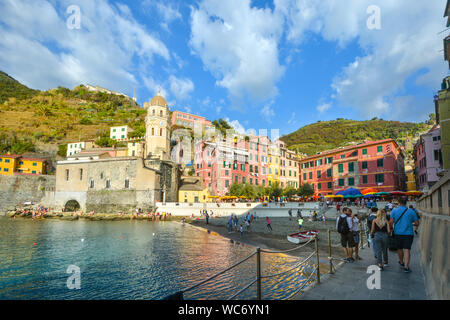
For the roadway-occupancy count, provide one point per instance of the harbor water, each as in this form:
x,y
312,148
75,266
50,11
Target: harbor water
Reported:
x,y
130,260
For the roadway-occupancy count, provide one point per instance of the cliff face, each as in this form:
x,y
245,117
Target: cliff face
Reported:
x,y
17,189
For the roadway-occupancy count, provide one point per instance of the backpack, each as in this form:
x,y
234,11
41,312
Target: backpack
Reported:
x,y
343,225
370,221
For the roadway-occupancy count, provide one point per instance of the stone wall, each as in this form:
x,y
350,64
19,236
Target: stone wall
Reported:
x,y
434,239
17,188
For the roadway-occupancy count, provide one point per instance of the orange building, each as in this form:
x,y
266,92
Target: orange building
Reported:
x,y
11,164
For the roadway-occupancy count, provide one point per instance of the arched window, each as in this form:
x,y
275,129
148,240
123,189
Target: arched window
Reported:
x,y
161,113
153,111
160,132
153,131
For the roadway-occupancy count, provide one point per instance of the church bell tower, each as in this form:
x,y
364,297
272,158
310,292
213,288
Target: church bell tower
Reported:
x,y
157,135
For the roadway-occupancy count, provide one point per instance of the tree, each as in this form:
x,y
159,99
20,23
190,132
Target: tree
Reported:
x,y
105,142
275,190
289,192
432,119
236,189
62,150
306,190
248,191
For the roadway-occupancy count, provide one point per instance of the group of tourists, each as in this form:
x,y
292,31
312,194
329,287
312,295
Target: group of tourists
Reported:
x,y
233,223
388,228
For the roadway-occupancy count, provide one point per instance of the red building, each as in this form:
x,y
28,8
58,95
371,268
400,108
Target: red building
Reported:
x,y
373,164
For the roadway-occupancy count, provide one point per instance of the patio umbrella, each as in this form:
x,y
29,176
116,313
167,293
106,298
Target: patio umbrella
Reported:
x,y
414,193
369,190
397,193
382,193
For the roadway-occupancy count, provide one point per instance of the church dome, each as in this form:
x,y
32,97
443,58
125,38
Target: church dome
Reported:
x,y
158,100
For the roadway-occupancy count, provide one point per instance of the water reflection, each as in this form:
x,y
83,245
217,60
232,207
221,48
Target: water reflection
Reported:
x,y
130,260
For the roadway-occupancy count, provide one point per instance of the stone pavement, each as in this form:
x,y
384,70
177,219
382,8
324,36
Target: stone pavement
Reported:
x,y
349,282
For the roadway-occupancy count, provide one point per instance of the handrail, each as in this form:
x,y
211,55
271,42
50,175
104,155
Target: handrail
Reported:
x,y
300,289
243,289
286,271
218,274
289,250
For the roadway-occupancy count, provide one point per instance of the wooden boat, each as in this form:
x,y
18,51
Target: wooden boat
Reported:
x,y
302,237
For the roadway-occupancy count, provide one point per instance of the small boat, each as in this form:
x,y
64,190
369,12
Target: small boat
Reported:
x,y
302,237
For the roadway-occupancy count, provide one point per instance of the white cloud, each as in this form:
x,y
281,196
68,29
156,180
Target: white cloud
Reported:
x,y
167,11
236,125
407,42
238,44
154,87
181,88
267,111
38,49
323,107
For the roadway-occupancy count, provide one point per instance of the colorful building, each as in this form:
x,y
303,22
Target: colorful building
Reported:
x,y
120,132
192,190
428,158
274,165
373,164
11,164
292,169
190,120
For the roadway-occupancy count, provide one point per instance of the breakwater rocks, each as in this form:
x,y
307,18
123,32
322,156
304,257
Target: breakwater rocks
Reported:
x,y
96,217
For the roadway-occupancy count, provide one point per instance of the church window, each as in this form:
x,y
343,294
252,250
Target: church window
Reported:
x,y
153,131
153,111
161,113
160,132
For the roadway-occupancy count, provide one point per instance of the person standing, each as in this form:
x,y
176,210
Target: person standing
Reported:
x,y
290,214
207,217
338,207
379,231
268,224
299,213
356,234
344,226
230,224
370,219
402,220
241,229
300,224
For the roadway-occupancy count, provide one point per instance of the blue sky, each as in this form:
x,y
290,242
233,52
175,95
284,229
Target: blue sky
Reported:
x,y
278,64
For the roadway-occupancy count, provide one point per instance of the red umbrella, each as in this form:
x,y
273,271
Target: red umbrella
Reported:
x,y
369,190
397,193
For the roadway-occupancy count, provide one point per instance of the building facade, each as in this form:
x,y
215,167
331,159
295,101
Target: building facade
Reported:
x,y
428,158
11,164
374,164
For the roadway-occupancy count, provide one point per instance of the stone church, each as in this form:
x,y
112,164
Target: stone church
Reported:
x,y
95,180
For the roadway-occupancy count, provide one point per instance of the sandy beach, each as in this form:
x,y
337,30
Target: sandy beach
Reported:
x,y
260,236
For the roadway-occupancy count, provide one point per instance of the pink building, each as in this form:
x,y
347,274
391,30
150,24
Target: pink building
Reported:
x,y
189,120
428,158
224,162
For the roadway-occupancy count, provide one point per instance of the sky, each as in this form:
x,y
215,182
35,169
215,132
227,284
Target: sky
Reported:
x,y
277,64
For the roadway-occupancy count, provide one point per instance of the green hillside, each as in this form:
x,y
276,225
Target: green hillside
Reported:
x,y
10,87
44,121
326,135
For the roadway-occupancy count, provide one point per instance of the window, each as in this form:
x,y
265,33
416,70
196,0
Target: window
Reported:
x,y
122,136
364,151
436,155
380,149
319,174
226,172
351,181
439,198
341,182
108,184
341,167
242,167
289,173
319,186
91,184
236,179
256,169
379,163
329,172
209,164
7,161
243,179
5,170
256,181
251,180
355,153
330,160
251,168
160,132
21,162
364,164
81,174
304,176
209,174
342,156
310,175
67,174
264,182
227,183
153,131
33,172
329,185
379,178
364,179
351,166
127,183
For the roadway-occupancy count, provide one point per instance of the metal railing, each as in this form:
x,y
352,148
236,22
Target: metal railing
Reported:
x,y
259,277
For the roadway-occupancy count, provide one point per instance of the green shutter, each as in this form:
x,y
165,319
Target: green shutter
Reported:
x,y
364,151
351,167
341,167
364,164
341,182
380,149
351,181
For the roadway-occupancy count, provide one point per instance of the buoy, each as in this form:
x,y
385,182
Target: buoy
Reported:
x,y
153,233
121,237
82,240
34,243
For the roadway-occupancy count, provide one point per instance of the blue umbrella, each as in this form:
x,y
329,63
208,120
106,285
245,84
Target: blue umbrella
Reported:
x,y
349,192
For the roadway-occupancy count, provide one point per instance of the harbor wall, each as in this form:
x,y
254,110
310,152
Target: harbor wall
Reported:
x,y
16,189
434,239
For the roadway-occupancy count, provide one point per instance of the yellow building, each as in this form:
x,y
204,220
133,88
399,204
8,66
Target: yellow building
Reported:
x,y
274,166
11,164
192,190
410,179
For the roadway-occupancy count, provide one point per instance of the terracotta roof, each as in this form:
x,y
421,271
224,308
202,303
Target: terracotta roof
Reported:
x,y
10,156
34,159
356,146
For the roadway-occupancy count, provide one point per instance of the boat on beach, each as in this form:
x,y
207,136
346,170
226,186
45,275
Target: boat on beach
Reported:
x,y
302,237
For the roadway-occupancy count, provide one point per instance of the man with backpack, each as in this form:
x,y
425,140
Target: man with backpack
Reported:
x,y
344,226
290,214
402,219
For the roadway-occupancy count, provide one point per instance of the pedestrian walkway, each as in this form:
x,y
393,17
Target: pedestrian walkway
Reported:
x,y
349,282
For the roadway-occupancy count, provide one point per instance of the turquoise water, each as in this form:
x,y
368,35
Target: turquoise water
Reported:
x,y
128,260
